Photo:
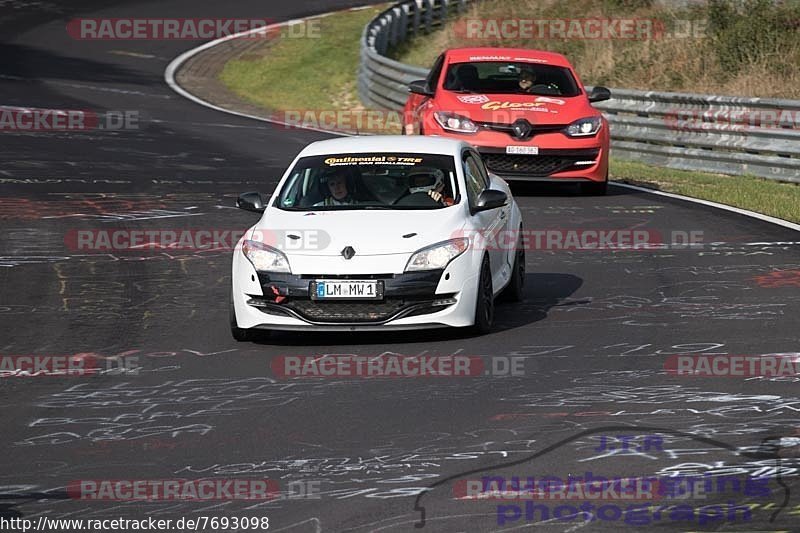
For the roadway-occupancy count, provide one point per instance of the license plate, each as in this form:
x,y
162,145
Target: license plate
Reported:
x,y
349,289
524,150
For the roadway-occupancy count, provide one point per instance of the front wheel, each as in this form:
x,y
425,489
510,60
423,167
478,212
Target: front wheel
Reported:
x,y
484,303
515,288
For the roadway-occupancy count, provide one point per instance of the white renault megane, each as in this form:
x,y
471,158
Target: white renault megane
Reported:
x,y
367,233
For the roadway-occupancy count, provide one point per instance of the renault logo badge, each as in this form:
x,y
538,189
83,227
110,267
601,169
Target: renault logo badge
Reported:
x,y
348,252
521,128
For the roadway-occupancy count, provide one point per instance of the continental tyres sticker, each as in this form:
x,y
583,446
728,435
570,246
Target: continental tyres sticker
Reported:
x,y
372,159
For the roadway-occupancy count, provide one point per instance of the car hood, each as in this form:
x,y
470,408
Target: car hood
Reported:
x,y
506,108
368,232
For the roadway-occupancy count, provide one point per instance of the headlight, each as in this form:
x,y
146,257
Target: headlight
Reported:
x,y
265,258
584,127
453,122
438,256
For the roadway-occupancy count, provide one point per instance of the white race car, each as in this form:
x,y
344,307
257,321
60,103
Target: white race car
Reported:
x,y
378,233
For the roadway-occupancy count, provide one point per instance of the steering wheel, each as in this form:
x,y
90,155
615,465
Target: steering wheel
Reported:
x,y
416,199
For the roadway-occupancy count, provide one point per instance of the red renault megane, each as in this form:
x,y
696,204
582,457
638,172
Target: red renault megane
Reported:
x,y
526,111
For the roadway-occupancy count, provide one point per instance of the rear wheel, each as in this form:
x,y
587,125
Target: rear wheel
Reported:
x,y
484,304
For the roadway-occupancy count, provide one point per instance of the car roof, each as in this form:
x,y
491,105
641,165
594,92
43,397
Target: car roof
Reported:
x,y
386,144
463,55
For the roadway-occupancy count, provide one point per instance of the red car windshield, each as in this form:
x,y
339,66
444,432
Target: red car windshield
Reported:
x,y
498,77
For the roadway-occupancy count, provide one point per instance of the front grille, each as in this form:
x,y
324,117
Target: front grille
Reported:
x,y
535,129
536,165
350,311
346,276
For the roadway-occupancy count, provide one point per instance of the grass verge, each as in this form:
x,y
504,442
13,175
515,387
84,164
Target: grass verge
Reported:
x,y
320,74
304,73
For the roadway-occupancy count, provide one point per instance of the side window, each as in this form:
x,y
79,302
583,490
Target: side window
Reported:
x,y
473,178
433,76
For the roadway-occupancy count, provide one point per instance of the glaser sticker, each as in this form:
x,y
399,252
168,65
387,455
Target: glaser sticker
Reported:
x,y
492,106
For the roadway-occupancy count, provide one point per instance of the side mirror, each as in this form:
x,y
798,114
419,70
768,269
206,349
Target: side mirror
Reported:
x,y
251,201
599,94
490,199
420,87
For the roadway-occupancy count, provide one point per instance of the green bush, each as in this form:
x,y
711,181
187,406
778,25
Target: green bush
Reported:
x,y
627,4
744,32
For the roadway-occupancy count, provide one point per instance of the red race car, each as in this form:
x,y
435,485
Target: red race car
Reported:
x,y
526,111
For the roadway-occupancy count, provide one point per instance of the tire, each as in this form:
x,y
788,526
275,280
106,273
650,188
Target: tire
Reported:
x,y
484,303
239,334
516,287
595,188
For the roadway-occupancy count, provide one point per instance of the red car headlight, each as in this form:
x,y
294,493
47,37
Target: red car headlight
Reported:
x,y
456,123
584,127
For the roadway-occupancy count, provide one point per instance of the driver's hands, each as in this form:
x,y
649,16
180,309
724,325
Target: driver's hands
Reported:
x,y
439,197
436,195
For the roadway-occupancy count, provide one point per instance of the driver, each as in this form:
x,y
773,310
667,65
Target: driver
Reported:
x,y
527,84
430,181
338,188
527,78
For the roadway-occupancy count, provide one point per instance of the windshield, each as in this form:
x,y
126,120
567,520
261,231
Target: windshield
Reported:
x,y
500,77
370,181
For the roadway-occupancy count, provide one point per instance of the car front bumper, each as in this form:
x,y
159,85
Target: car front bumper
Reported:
x,y
559,158
412,300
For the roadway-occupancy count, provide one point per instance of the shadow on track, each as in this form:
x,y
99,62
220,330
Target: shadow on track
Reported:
x,y
545,289
553,189
36,64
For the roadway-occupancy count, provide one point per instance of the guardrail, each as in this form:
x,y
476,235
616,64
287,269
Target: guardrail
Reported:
x,y
383,82
727,135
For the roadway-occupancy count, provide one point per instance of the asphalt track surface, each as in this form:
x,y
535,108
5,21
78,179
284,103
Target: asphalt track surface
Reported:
x,y
594,331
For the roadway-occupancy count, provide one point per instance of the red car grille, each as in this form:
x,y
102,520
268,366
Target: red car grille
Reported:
x,y
538,165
